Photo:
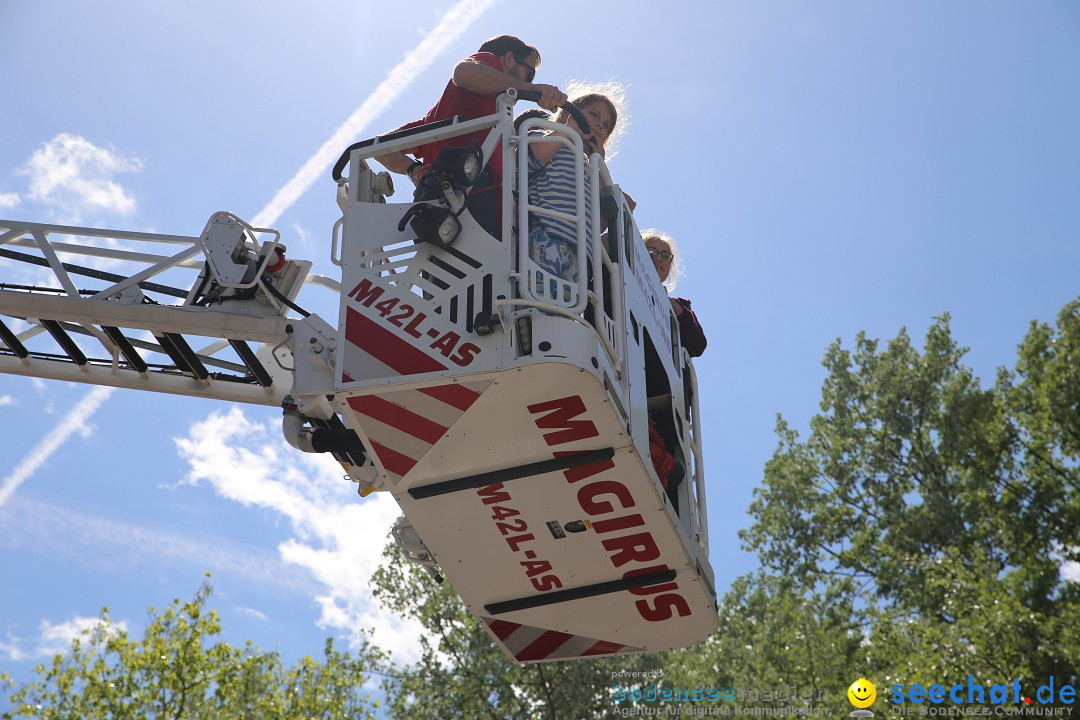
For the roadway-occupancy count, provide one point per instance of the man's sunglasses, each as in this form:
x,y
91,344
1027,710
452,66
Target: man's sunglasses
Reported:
x,y
530,71
665,255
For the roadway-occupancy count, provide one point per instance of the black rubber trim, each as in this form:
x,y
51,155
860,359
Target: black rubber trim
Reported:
x,y
91,272
571,108
579,593
344,159
512,473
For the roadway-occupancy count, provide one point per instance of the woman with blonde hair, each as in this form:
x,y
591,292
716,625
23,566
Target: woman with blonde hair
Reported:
x,y
664,254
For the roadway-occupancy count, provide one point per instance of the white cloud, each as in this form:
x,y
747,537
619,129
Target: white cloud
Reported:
x,y
74,176
302,234
9,201
11,650
57,637
337,536
1070,571
7,400
52,638
252,612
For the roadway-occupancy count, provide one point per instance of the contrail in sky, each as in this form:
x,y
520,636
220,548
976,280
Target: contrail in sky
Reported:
x,y
455,22
72,423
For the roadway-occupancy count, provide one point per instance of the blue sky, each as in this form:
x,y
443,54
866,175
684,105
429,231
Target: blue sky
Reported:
x,y
827,167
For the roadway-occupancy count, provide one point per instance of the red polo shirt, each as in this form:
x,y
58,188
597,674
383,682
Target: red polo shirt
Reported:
x,y
469,105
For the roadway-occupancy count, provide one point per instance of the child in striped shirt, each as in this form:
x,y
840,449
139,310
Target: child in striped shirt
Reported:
x,y
552,185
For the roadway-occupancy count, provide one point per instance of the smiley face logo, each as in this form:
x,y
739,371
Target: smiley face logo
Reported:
x,y
862,693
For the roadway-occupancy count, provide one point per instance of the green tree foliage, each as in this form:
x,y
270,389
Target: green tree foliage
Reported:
x,y
773,637
176,672
941,510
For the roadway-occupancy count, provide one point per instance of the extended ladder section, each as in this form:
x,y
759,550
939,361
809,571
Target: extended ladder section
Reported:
x,y
168,313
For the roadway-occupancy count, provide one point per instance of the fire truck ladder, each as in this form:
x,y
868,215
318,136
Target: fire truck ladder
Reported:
x,y
152,296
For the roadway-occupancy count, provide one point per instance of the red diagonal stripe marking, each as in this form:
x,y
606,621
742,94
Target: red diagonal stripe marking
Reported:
x,y
453,395
392,460
543,646
387,347
502,628
398,417
603,647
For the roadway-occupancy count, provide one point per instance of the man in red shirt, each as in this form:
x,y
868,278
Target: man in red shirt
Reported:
x,y
502,62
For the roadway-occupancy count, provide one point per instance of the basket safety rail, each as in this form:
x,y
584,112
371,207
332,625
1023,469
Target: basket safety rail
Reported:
x,y
502,134
540,285
699,524
539,288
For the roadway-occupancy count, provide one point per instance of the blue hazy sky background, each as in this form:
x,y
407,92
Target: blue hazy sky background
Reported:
x,y
827,167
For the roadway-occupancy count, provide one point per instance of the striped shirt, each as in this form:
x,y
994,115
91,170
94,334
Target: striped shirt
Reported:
x,y
553,187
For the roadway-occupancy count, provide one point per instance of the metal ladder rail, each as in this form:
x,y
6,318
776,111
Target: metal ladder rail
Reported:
x,y
59,316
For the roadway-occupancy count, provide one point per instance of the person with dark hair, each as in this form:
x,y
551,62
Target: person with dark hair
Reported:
x,y
502,62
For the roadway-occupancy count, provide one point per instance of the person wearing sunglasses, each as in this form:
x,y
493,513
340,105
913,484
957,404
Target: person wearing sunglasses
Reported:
x,y
662,435
664,254
502,62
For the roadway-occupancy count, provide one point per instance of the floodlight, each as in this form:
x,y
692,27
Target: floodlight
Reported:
x,y
432,224
459,165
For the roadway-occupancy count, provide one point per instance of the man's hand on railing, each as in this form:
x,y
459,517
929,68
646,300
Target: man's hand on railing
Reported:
x,y
551,97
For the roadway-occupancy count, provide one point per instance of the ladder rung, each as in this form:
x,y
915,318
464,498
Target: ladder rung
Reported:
x,y
182,355
64,341
12,341
244,351
126,348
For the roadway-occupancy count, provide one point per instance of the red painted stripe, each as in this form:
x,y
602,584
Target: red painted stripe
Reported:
x,y
392,460
453,395
502,628
603,647
398,417
386,347
543,646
